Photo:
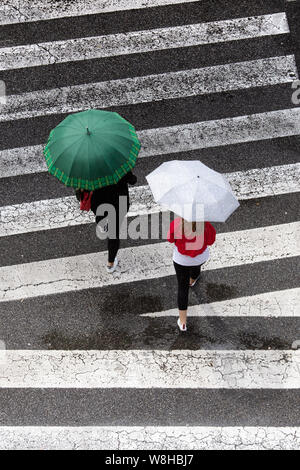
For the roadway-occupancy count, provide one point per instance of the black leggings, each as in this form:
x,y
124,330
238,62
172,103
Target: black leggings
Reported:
x,y
113,246
184,273
113,242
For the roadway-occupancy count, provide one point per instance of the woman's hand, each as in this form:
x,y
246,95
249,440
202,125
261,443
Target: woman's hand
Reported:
x,y
131,178
78,194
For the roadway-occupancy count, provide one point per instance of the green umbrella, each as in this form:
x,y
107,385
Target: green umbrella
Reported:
x,y
92,149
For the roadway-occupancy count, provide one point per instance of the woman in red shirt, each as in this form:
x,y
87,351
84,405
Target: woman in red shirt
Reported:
x,y
191,241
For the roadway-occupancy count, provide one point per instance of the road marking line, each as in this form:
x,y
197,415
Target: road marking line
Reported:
x,y
64,212
47,9
151,369
149,437
156,87
175,139
144,262
284,303
220,132
137,42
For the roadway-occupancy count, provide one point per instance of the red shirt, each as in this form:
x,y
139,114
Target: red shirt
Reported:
x,y
191,246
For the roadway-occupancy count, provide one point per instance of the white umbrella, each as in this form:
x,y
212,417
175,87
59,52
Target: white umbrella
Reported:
x,y
193,191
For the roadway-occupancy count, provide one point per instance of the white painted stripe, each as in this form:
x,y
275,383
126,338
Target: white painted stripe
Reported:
x,y
144,262
263,182
277,304
156,87
221,132
142,41
151,369
38,10
149,438
64,212
22,161
180,138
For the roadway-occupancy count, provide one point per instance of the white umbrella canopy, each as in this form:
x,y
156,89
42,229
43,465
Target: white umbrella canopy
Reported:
x,y
193,191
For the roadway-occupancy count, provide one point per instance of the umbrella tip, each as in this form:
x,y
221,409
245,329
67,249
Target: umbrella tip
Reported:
x,y
87,131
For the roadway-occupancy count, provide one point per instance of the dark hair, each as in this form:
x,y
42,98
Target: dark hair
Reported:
x,y
194,226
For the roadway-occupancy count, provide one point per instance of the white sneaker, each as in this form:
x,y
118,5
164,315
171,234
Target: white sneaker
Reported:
x,y
104,228
181,326
111,269
195,281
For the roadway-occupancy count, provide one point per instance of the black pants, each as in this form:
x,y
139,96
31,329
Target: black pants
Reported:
x,y
113,241
184,273
113,246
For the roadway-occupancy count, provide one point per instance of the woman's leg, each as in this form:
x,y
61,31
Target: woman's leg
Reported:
x,y
183,276
114,239
113,246
113,233
194,273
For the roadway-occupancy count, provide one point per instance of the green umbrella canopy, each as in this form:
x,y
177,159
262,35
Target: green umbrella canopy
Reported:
x,y
92,149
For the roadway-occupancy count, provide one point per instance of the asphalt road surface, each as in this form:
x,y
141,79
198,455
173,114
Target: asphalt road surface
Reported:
x,y
94,361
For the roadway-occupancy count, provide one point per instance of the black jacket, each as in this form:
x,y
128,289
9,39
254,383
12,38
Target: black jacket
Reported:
x,y
110,194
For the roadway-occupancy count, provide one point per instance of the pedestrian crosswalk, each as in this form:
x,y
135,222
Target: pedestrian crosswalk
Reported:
x,y
135,42
63,212
151,369
156,87
284,303
174,140
43,10
94,361
144,263
118,437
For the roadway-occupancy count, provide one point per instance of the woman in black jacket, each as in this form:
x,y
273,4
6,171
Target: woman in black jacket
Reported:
x,y
111,195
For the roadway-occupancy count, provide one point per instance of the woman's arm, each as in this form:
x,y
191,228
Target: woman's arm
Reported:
x,y
130,178
210,234
170,236
78,194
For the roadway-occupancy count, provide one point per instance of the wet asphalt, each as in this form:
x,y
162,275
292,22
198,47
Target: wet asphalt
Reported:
x,y
109,317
